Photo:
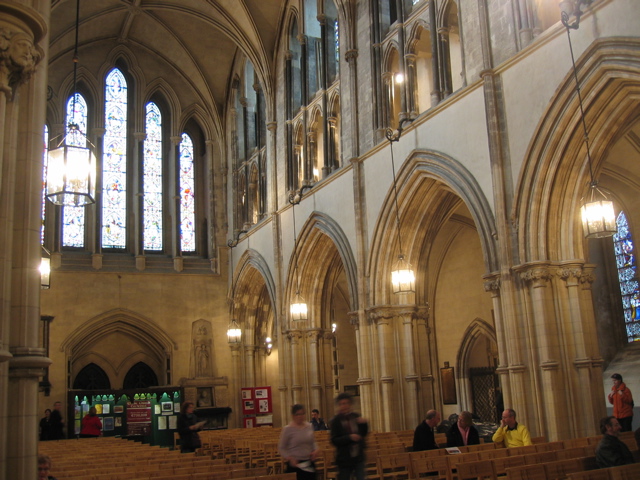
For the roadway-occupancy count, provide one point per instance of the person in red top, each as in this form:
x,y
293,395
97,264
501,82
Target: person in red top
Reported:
x,y
91,424
622,401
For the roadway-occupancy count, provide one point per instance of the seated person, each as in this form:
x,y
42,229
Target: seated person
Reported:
x,y
611,451
510,432
462,432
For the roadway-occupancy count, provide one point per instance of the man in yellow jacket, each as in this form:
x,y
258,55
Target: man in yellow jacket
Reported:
x,y
511,433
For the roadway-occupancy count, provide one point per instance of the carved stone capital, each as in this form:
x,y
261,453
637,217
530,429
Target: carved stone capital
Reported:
x,y
537,273
351,55
19,55
492,284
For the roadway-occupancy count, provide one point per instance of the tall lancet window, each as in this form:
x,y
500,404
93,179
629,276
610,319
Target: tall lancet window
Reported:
x,y
73,218
152,179
187,196
629,286
114,163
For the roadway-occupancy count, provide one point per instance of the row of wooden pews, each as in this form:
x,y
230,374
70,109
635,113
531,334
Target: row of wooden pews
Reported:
x,y
252,453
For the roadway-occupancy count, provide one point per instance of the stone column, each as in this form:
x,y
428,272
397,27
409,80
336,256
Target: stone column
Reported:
x,y
543,336
411,83
235,384
351,56
174,208
381,318
23,86
138,201
296,355
313,369
311,161
249,365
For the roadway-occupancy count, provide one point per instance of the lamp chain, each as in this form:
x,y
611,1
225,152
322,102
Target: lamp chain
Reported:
x,y
395,196
584,123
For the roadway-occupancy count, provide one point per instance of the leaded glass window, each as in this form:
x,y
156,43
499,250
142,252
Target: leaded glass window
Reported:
x,y
152,179
336,40
73,218
629,286
187,196
114,162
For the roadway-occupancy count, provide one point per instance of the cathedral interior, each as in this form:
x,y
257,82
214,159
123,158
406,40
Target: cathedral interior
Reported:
x,y
257,155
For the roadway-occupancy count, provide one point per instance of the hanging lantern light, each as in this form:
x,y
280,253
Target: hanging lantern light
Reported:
x,y
403,280
71,172
597,212
298,308
598,215
71,165
234,334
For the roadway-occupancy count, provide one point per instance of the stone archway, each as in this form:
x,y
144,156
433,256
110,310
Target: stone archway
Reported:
x,y
116,341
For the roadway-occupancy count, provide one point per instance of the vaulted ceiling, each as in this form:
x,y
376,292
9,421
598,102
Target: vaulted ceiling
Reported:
x,y
188,44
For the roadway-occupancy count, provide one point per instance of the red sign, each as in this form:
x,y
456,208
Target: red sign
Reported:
x,y
139,418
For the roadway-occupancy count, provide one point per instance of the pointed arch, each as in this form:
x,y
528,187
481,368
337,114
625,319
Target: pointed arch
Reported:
x,y
555,174
444,181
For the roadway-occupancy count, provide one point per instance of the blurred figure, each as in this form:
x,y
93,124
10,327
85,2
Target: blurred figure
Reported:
x,y
462,432
298,446
91,425
348,432
188,428
57,424
45,426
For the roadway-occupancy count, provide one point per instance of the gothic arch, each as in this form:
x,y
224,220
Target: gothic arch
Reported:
x,y
321,242
477,328
445,182
148,343
555,175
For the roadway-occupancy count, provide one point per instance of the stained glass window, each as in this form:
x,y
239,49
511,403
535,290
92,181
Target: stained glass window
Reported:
x,y
44,180
73,217
114,162
336,39
152,180
629,286
187,197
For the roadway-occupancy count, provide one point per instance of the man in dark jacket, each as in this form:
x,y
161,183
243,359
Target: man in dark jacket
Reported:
x,y
462,432
611,451
316,422
56,423
348,432
424,436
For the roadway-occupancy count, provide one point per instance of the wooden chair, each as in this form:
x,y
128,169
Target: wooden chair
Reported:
x,y
394,467
434,467
248,472
494,453
480,470
626,472
573,452
602,474
527,472
537,440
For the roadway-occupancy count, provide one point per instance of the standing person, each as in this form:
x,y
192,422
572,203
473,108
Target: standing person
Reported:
x,y
510,432
188,428
316,422
44,465
611,451
57,424
462,432
45,426
298,446
622,401
424,437
91,425
348,432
